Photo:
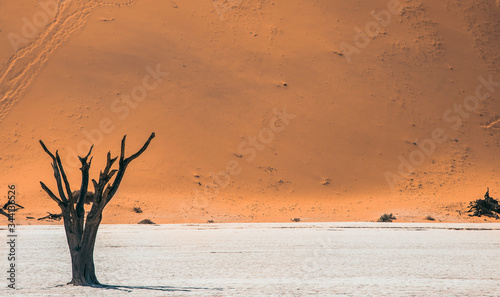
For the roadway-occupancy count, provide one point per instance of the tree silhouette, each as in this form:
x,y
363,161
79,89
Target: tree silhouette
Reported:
x,y
81,231
488,206
9,207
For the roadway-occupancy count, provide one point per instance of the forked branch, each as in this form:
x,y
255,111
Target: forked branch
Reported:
x,y
104,192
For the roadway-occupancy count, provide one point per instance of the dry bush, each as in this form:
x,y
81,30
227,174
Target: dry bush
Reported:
x,y
485,207
386,218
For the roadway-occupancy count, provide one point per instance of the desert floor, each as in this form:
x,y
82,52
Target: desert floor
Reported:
x,y
293,259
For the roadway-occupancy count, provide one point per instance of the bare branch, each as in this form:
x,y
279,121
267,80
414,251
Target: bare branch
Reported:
x,y
57,174
109,163
122,151
84,187
111,190
106,192
51,195
90,151
66,183
104,178
46,150
110,175
80,208
144,147
95,184
64,177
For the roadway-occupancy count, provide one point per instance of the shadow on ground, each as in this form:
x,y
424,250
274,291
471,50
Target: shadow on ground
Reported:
x,y
151,288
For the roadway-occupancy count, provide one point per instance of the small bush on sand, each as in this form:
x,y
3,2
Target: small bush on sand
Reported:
x,y
430,218
296,220
146,221
137,210
386,218
89,197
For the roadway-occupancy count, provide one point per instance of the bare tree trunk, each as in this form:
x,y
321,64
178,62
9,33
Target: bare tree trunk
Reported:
x,y
81,238
83,269
82,256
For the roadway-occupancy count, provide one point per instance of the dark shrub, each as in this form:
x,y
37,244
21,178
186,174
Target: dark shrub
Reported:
x,y
88,198
485,207
386,218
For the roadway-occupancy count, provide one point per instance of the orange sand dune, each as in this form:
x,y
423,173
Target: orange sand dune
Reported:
x,y
264,110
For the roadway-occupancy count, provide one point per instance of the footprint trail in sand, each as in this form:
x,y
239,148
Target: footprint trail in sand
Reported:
x,y
24,66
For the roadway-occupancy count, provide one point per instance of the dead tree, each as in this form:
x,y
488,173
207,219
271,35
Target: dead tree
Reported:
x,y
8,209
81,232
485,207
51,216
15,207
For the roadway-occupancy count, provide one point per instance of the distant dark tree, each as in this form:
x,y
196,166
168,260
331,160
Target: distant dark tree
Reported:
x,y
51,216
9,207
81,231
485,207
